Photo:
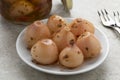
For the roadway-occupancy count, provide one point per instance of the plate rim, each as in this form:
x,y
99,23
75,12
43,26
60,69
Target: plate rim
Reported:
x,y
64,73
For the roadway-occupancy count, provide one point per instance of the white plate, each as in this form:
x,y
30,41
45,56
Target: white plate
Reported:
x,y
24,54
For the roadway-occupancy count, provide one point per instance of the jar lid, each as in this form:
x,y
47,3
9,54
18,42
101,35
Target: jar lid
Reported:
x,y
68,4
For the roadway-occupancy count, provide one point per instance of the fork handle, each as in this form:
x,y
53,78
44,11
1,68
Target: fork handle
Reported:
x,y
117,29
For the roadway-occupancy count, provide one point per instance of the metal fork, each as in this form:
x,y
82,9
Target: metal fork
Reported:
x,y
107,21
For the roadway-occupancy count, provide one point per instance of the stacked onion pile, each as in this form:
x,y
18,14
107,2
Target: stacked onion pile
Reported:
x,y
57,41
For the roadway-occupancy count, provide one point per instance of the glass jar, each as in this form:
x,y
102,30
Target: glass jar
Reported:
x,y
21,11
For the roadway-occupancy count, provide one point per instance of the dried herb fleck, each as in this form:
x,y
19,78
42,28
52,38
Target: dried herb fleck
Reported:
x,y
77,36
78,52
60,20
59,25
86,48
72,42
66,56
31,38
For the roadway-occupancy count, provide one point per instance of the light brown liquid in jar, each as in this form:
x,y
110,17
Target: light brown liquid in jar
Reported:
x,y
25,10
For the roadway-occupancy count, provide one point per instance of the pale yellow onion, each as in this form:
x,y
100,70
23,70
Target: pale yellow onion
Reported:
x,y
63,37
45,52
79,26
55,22
89,45
36,31
71,57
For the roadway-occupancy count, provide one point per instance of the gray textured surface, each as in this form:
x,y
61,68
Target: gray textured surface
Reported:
x,y
13,68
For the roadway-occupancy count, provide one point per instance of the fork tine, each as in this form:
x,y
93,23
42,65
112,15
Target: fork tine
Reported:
x,y
99,13
107,15
105,11
114,13
117,18
118,13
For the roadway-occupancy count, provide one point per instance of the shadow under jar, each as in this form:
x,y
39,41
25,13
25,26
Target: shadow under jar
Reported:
x,y
25,11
